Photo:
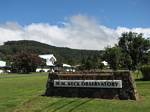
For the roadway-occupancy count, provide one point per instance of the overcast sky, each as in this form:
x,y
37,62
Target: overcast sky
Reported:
x,y
80,24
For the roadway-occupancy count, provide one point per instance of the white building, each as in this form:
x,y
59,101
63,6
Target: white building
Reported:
x,y
68,68
105,63
66,65
42,69
50,59
2,64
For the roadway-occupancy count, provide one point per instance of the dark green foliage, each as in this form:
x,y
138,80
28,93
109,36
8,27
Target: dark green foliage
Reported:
x,y
63,55
145,69
134,46
113,57
125,61
88,64
130,53
91,62
146,58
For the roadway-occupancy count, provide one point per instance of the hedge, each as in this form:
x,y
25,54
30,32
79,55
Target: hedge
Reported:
x,y
145,69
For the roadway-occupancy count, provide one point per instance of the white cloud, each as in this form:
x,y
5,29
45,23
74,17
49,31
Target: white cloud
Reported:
x,y
144,31
80,32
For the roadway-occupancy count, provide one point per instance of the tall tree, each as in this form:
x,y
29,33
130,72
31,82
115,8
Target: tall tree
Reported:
x,y
135,47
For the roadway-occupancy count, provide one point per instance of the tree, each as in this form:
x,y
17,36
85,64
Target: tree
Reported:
x,y
91,62
134,46
146,59
113,57
87,64
125,61
26,62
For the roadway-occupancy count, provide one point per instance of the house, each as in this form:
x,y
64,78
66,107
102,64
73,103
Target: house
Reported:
x,y
2,65
50,60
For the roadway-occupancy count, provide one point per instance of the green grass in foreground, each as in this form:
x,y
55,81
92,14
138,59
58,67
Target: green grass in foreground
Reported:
x,y
22,93
18,88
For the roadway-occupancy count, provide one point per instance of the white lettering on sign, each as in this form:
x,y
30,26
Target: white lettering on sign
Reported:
x,y
89,83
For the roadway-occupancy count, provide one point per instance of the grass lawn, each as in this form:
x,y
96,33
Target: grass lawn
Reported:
x,y
22,93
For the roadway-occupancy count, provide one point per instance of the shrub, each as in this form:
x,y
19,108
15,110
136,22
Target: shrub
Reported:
x,y
145,69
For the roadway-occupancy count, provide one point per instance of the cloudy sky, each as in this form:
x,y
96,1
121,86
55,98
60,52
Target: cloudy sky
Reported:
x,y
80,24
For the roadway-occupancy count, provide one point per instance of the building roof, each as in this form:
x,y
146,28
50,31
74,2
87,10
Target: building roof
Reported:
x,y
50,59
47,56
148,50
66,65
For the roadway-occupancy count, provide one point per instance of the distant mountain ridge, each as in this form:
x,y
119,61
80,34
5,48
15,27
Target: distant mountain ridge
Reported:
x,y
63,54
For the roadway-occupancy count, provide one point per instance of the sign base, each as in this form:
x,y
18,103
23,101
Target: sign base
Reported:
x,y
104,84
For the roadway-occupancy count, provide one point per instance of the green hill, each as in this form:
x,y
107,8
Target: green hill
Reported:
x,y
63,54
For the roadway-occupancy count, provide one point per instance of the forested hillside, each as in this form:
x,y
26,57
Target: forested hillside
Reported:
x,y
63,55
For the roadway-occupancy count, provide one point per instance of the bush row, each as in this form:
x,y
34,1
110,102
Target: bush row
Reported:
x,y
145,69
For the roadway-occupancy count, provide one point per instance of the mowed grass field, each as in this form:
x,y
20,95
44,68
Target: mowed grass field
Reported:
x,y
22,93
